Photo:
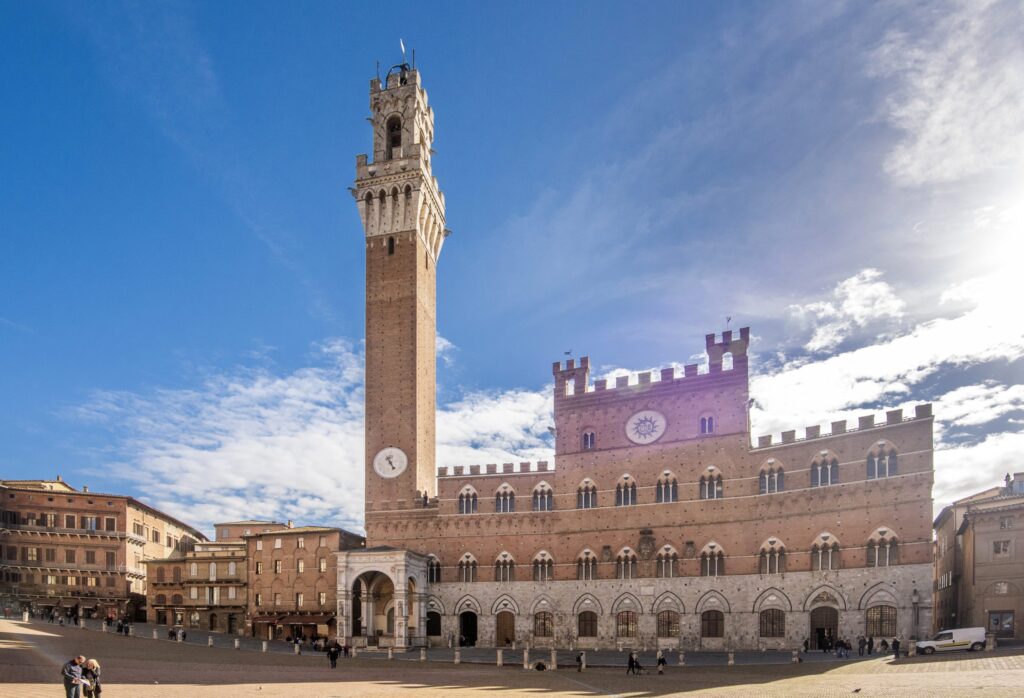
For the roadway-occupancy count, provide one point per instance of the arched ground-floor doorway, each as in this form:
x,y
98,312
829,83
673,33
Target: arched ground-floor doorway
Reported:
x,y
467,629
504,629
824,626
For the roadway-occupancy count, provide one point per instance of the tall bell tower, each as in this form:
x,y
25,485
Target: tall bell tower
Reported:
x,y
402,211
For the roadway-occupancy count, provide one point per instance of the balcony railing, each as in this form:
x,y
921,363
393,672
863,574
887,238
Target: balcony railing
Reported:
x,y
35,528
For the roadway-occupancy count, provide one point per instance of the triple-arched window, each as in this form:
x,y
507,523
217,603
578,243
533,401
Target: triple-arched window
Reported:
x,y
882,549
667,563
625,492
543,498
626,565
543,568
825,553
667,489
824,471
710,486
433,570
467,502
467,568
712,561
772,559
772,478
882,462
586,566
505,500
505,568
586,495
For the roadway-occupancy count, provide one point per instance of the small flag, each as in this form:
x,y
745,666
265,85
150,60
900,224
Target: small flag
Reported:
x,y
402,44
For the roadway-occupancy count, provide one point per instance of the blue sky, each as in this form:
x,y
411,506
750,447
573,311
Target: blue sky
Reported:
x,y
181,284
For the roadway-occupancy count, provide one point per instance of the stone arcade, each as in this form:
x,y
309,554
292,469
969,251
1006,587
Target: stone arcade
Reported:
x,y
660,525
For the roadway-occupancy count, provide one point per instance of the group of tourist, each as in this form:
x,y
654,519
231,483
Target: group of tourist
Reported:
x,y
842,648
335,650
81,678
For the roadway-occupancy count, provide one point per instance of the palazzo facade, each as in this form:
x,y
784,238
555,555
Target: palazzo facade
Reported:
x,y
660,524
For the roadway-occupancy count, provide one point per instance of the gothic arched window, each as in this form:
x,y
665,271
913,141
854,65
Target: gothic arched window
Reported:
x,y
586,495
543,498
586,566
393,147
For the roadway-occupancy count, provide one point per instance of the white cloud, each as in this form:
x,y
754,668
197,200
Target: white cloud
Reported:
x,y
963,470
445,350
958,94
250,443
857,302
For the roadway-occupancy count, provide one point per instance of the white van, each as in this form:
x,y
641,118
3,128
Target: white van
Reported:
x,y
971,639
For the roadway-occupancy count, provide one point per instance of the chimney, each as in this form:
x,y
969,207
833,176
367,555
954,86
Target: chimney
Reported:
x,y
290,524
59,479
85,488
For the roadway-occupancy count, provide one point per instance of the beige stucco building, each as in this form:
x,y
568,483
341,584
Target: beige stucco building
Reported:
x,y
658,524
979,561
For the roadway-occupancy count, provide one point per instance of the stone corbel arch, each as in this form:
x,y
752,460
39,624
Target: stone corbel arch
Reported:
x,y
544,603
504,603
825,595
587,602
627,602
880,594
668,601
435,604
712,601
764,600
467,603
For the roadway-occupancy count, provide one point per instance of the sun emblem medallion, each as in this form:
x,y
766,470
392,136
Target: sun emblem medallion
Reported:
x,y
645,427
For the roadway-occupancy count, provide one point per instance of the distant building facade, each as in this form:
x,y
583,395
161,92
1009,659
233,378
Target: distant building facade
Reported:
x,y
661,524
292,576
205,588
80,552
979,561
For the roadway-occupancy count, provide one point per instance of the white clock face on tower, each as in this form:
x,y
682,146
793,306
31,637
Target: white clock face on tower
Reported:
x,y
390,462
645,427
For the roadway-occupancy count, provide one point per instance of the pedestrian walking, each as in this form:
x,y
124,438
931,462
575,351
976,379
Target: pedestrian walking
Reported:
x,y
895,648
332,654
661,662
72,675
91,673
871,646
579,662
861,643
631,664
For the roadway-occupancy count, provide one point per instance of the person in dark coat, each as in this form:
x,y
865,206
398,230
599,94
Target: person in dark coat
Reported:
x,y
332,654
861,644
895,648
92,673
871,646
72,675
631,664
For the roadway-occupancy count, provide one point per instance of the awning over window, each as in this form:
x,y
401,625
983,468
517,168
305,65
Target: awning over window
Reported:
x,y
265,619
317,619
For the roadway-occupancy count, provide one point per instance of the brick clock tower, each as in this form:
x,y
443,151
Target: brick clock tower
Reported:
x,y
402,211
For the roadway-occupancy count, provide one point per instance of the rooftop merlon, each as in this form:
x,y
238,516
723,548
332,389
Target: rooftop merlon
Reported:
x,y
864,422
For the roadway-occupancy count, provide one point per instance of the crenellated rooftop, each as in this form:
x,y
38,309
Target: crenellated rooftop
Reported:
x,y
892,417
494,469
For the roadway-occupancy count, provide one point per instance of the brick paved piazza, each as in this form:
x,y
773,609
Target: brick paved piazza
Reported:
x,y
31,655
